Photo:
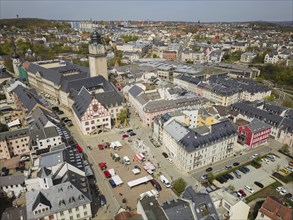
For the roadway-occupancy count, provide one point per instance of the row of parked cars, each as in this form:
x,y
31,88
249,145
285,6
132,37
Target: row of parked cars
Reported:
x,y
228,176
288,168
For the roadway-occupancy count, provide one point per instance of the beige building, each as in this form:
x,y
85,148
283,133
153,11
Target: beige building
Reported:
x,y
14,143
202,146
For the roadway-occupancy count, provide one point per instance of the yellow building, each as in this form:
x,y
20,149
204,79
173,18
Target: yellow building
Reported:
x,y
207,117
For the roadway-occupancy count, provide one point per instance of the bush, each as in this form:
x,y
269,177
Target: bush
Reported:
x,y
285,179
255,164
178,186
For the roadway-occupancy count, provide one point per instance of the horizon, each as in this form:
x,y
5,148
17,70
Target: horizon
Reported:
x,y
166,10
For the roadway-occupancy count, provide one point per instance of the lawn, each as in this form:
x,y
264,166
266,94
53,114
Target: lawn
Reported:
x,y
270,190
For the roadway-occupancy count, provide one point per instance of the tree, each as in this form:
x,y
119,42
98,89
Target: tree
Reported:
x,y
3,127
287,103
270,98
8,64
231,187
155,56
179,186
122,115
285,148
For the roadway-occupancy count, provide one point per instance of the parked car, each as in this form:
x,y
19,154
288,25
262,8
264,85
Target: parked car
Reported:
x,y
259,184
103,166
279,189
165,154
271,157
137,167
4,171
249,189
204,177
170,160
221,179
246,169
236,164
112,183
254,155
285,171
288,195
230,176
228,167
289,168
102,200
60,112
65,119
24,158
101,146
156,184
209,169
107,174
283,192
125,136
132,134
129,130
242,170
242,193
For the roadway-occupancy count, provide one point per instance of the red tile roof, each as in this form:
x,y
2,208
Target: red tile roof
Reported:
x,y
276,210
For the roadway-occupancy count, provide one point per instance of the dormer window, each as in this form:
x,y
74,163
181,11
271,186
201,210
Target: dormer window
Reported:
x,y
71,199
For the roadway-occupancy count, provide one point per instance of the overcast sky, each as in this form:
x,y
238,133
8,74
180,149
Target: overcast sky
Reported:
x,y
192,10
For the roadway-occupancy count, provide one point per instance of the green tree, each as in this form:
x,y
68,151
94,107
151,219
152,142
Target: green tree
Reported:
x,y
122,115
8,64
128,38
178,186
270,98
155,56
287,103
3,127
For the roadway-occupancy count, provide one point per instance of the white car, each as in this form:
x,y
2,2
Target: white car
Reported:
x,y
170,160
279,189
283,192
24,158
254,155
249,189
289,168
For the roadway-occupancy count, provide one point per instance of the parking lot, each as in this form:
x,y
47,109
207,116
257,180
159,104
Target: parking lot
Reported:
x,y
125,171
262,175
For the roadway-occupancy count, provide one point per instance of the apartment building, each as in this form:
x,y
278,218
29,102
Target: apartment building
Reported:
x,y
254,133
148,105
58,188
247,57
13,184
281,125
191,149
13,143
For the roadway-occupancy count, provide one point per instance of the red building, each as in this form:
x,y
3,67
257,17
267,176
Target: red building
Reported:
x,y
253,133
170,55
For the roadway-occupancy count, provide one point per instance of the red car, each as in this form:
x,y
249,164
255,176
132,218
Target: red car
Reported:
x,y
103,166
242,193
107,174
125,136
101,146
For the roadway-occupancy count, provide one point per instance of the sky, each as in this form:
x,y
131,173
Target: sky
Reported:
x,y
154,10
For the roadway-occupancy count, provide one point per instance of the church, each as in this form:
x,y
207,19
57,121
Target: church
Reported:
x,y
93,100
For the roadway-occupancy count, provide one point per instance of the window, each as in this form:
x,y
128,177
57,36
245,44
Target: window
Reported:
x,y
71,217
77,209
87,129
92,122
85,213
78,215
86,123
69,211
84,206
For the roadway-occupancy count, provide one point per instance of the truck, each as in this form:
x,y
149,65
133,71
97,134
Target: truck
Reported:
x,y
165,181
150,193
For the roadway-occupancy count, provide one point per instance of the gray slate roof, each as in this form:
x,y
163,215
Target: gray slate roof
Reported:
x,y
135,91
178,209
43,133
24,132
28,97
152,208
203,205
176,130
12,180
256,125
194,141
274,120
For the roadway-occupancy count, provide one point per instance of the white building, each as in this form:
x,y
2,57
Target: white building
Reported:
x,y
13,184
191,149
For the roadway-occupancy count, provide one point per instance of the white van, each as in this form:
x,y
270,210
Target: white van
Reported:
x,y
165,181
150,193
126,160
